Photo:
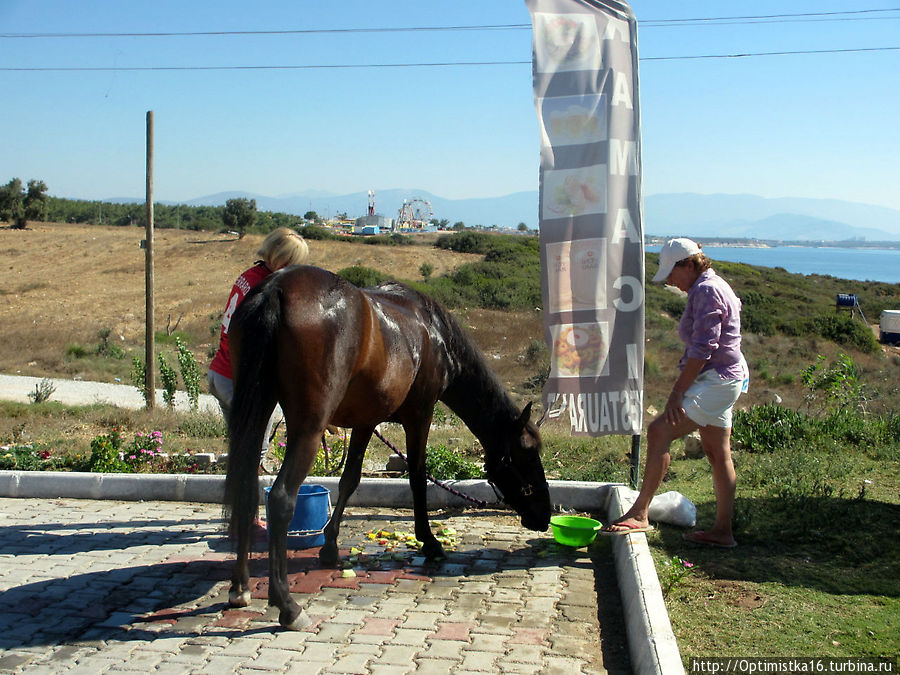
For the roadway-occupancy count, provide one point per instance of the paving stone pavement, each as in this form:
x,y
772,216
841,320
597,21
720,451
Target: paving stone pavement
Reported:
x,y
108,587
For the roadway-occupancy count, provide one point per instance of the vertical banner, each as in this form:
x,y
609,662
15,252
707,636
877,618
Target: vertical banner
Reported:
x,y
592,241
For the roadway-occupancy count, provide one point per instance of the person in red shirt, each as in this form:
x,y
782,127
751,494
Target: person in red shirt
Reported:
x,y
281,248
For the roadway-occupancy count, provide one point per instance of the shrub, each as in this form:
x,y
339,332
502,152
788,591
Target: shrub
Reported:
x,y
169,380
190,373
24,458
76,351
674,305
105,454
330,457
143,451
536,352
791,477
838,383
395,239
105,348
362,277
444,417
465,242
203,425
839,328
42,391
769,428
139,376
444,464
315,232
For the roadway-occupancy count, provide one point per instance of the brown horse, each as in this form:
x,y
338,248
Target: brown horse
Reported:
x,y
331,353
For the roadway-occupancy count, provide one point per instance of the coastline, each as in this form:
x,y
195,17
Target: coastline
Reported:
x,y
657,240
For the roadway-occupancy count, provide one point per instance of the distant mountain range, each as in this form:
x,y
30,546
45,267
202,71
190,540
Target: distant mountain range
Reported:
x,y
753,217
687,214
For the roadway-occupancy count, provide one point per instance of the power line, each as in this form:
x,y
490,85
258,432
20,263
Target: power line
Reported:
x,y
307,31
779,53
849,15
438,64
754,18
269,67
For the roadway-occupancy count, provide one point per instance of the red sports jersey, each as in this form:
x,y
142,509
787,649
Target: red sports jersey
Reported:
x,y
222,362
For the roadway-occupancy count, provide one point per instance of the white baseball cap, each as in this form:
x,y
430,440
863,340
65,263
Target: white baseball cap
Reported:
x,y
674,251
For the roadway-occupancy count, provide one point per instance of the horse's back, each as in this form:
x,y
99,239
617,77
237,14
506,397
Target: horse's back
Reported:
x,y
357,351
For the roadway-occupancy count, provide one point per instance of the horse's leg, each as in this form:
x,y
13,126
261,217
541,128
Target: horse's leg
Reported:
x,y
300,453
359,441
416,438
239,593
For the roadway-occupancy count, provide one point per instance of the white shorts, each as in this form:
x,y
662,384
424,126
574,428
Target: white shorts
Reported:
x,y
710,399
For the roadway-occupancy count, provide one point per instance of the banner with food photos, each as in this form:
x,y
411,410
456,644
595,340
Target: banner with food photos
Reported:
x,y
590,212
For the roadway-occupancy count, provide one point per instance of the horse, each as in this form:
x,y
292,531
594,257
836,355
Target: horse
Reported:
x,y
333,354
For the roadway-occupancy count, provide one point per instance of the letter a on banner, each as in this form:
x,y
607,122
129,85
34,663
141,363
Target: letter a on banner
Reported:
x,y
592,236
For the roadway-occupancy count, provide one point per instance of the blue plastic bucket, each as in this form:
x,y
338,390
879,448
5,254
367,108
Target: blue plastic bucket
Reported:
x,y
310,515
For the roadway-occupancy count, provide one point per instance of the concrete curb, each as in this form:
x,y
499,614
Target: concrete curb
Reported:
x,y
390,492
651,642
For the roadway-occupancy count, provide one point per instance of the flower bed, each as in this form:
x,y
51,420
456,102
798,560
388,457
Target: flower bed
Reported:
x,y
111,454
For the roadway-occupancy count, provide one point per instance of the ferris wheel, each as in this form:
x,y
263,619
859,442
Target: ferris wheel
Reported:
x,y
415,213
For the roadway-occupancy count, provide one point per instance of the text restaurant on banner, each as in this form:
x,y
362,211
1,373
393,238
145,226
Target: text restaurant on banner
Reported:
x,y
592,241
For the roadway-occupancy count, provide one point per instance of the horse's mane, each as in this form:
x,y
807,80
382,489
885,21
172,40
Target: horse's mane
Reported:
x,y
475,393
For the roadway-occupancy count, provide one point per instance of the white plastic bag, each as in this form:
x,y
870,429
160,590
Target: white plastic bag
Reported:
x,y
673,508
669,507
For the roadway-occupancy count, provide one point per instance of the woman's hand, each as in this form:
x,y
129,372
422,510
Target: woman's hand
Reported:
x,y
674,411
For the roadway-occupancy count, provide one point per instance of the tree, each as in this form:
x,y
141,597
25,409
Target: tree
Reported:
x,y
239,214
35,202
12,200
523,227
311,217
459,225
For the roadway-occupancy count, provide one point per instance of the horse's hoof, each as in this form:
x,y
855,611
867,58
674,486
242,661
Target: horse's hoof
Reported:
x,y
433,552
299,622
239,599
328,556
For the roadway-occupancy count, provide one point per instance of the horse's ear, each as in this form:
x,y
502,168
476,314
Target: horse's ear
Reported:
x,y
525,417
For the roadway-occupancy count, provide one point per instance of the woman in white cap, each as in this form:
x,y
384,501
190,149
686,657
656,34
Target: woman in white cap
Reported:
x,y
713,375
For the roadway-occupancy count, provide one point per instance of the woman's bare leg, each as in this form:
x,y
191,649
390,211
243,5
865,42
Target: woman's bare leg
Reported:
x,y
660,435
716,443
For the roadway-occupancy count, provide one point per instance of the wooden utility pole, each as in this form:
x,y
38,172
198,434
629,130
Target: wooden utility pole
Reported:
x,y
149,383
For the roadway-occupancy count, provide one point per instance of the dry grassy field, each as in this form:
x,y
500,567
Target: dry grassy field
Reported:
x,y
60,285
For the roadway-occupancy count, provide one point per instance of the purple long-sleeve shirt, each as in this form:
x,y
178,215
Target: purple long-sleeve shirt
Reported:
x,y
711,327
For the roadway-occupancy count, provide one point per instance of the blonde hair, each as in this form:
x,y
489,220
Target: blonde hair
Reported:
x,y
701,262
283,247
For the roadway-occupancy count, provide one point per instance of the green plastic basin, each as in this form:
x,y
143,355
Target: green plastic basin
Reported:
x,y
574,530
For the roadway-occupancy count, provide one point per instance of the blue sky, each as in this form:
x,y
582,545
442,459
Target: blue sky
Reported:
x,y
814,125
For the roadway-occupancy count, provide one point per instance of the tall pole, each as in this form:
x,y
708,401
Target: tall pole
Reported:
x,y
634,476
149,384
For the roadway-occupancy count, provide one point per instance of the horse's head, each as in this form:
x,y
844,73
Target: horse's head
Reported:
x,y
515,471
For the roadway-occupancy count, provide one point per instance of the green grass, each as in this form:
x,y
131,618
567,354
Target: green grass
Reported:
x,y
813,575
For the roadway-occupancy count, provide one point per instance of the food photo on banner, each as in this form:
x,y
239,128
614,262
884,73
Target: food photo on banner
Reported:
x,y
590,212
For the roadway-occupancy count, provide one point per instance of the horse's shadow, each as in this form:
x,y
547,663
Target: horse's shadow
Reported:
x,y
74,538
180,597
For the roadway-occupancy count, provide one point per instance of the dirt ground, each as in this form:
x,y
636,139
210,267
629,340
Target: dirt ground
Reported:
x,y
61,284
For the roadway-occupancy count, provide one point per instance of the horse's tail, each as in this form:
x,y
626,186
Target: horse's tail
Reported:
x,y
252,330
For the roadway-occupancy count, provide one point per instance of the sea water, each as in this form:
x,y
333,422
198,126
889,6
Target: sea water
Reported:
x,y
862,264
